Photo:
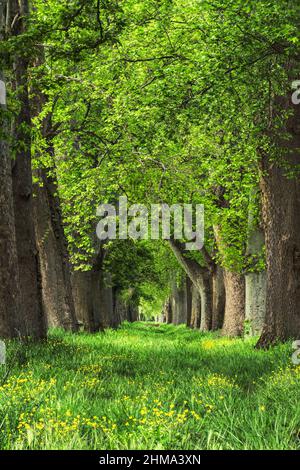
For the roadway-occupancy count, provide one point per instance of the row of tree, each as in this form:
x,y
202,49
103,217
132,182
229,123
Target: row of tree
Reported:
x,y
162,102
212,307
37,290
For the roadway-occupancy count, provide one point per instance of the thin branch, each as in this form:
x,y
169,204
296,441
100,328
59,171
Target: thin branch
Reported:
x,y
151,59
99,19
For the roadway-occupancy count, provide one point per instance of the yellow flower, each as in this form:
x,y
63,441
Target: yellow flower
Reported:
x,y
207,344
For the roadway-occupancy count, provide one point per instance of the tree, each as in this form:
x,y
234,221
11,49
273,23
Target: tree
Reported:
x,y
176,102
30,277
53,255
281,211
10,305
202,280
52,246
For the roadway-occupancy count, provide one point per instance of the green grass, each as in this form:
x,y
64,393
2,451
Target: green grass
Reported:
x,y
149,387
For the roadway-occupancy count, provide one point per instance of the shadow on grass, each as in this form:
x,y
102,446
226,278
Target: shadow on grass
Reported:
x,y
141,349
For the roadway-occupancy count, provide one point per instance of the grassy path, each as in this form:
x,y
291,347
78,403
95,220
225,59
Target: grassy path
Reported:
x,y
149,387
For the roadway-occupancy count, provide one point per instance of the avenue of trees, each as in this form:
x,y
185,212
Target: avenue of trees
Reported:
x,y
164,101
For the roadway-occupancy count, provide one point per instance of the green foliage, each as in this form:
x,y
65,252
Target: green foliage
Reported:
x,y
138,269
163,101
173,109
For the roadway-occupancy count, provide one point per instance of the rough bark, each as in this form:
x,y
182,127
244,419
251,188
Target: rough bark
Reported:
x,y
30,278
189,285
179,302
218,298
234,284
10,304
255,283
235,304
196,308
86,298
255,302
53,255
120,309
281,216
106,313
201,277
51,241
94,298
205,289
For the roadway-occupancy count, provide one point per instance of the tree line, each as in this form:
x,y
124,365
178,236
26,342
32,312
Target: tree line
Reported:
x,y
163,102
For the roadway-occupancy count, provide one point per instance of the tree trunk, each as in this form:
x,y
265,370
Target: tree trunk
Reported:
x,y
107,312
30,278
133,312
196,308
179,302
123,311
168,311
189,286
51,241
10,305
234,284
281,208
235,304
255,283
205,289
255,302
86,297
281,216
53,255
94,300
120,308
201,277
162,318
218,299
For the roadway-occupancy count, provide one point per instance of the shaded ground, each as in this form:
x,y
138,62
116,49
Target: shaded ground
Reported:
x,y
149,387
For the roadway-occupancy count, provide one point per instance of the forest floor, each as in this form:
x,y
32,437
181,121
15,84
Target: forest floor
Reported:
x,y
149,387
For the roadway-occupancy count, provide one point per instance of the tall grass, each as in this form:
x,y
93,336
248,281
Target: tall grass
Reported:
x,y
149,387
